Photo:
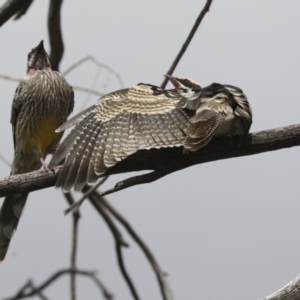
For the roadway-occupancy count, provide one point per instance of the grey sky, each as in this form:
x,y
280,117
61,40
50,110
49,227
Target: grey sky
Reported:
x,y
223,230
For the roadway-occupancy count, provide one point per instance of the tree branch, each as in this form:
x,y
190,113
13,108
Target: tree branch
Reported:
x,y
55,35
119,243
85,195
97,63
187,42
291,291
28,290
75,221
160,275
169,160
75,87
13,7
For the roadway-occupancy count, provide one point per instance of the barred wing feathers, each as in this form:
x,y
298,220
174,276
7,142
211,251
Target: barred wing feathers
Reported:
x,y
243,111
204,124
120,124
222,110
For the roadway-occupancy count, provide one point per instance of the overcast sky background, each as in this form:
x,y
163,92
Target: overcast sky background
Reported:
x,y
224,230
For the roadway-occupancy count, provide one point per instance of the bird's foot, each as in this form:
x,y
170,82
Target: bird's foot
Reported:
x,y
53,150
44,164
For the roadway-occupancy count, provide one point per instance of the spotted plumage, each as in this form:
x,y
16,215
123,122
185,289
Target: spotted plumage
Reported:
x,y
121,123
42,102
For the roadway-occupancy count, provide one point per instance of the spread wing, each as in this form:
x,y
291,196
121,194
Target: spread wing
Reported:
x,y
121,123
209,116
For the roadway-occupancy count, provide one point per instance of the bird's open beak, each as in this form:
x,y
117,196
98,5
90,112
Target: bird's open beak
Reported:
x,y
176,83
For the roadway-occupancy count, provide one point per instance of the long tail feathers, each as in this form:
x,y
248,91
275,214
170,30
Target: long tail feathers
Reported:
x,y
10,214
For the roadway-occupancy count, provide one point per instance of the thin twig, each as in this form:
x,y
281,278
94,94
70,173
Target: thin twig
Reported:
x,y
118,244
38,292
5,161
87,90
111,225
26,291
75,65
135,180
187,42
98,63
140,179
83,105
163,284
75,87
111,70
10,78
105,85
84,196
76,217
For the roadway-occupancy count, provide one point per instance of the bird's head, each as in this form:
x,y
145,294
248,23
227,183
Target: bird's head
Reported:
x,y
186,87
38,59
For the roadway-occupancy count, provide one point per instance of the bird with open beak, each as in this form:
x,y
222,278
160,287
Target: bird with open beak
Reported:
x,y
188,89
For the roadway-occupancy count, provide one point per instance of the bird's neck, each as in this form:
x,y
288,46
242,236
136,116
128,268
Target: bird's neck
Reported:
x,y
33,70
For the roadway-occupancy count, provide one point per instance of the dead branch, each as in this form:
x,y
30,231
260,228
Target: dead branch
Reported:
x,y
13,7
55,35
24,9
119,243
75,87
163,284
187,42
84,196
28,290
75,219
168,160
97,63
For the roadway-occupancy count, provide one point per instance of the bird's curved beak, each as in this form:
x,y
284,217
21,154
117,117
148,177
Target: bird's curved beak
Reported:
x,y
173,80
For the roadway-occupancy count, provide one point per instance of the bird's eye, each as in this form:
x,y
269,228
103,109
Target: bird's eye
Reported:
x,y
186,81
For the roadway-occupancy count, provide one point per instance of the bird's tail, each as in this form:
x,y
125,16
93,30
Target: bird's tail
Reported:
x,y
10,214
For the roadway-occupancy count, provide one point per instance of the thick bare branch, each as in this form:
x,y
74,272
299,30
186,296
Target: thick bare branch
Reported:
x,y
291,291
169,160
13,7
55,35
187,42
23,11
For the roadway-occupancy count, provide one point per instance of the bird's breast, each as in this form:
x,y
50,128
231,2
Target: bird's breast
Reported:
x,y
46,137
39,137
